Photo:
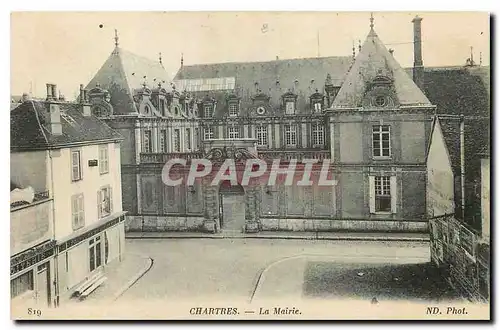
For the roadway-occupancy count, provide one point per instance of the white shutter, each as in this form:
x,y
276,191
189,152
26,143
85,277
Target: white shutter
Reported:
x,y
110,200
372,193
394,194
99,201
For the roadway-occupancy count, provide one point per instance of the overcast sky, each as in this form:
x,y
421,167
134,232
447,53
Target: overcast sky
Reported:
x,y
69,48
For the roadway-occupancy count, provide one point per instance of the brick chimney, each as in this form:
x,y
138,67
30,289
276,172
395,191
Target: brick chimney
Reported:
x,y
84,102
54,110
418,64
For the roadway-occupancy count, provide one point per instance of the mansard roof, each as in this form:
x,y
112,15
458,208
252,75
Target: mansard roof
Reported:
x,y
271,78
123,73
375,60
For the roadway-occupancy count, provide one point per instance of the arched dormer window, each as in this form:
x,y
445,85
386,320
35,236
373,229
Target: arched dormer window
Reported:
x,y
208,105
233,105
316,100
289,103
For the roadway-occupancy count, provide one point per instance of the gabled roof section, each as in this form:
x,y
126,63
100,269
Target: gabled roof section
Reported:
x,y
375,60
30,127
122,73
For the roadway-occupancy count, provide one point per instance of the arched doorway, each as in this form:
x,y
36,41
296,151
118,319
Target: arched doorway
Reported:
x,y
231,206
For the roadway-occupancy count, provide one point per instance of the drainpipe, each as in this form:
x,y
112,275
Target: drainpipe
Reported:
x,y
462,163
56,255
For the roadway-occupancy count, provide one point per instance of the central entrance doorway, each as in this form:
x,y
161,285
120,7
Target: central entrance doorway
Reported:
x,y
231,206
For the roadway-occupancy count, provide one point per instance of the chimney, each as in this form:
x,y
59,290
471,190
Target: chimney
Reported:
x,y
54,91
50,96
418,64
83,101
25,97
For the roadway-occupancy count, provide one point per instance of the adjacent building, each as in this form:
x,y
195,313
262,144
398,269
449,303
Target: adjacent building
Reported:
x,y
71,160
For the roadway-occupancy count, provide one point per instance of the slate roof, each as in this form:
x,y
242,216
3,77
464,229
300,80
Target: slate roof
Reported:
x,y
30,127
271,78
372,60
122,73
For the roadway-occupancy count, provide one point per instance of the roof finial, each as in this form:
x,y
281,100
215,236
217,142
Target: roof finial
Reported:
x,y
182,60
160,57
116,38
353,50
371,21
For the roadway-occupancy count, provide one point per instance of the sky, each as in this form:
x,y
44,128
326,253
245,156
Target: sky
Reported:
x,y
68,48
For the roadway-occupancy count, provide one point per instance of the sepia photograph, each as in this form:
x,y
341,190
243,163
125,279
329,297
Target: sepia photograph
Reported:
x,y
250,165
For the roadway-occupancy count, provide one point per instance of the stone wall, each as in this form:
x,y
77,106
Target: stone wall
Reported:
x,y
277,224
154,223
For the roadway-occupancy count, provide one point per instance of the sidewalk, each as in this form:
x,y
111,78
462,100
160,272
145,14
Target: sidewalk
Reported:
x,y
120,276
415,237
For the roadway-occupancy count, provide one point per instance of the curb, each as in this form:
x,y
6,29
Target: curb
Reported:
x,y
134,279
333,238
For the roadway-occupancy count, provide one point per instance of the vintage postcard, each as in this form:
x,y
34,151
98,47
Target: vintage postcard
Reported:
x,y
250,165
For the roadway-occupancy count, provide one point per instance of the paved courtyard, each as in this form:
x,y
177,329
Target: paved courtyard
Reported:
x,y
252,269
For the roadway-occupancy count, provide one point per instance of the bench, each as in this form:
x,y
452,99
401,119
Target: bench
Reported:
x,y
94,286
89,285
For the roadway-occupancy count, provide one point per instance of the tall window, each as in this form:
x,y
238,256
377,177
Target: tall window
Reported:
x,y
317,107
104,202
208,110
208,133
76,167
382,194
261,135
177,140
147,141
233,109
233,132
318,134
290,135
103,159
188,138
162,106
21,284
196,138
381,141
163,140
95,254
77,211
290,107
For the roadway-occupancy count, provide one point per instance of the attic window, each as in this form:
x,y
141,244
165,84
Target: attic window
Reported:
x,y
233,109
147,110
290,107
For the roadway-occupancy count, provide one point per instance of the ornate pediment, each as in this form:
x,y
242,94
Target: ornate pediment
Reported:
x,y
380,93
219,155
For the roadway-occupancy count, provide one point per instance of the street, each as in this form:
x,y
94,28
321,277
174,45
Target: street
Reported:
x,y
252,269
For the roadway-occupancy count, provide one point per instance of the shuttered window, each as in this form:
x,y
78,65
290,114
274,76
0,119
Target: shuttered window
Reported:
x,y
383,194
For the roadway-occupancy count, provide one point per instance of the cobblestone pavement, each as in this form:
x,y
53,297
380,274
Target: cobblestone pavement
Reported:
x,y
237,269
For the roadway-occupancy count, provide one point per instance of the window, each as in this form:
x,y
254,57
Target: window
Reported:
x,y
233,109
209,133
103,159
177,140
163,140
76,168
162,107
318,137
317,107
95,254
233,132
290,108
22,284
261,135
147,147
208,110
290,135
382,194
381,141
196,137
380,101
104,202
188,138
77,211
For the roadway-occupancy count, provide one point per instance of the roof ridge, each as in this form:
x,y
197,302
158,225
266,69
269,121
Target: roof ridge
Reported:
x,y
270,61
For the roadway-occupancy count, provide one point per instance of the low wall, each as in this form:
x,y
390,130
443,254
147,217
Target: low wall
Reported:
x,y
268,224
163,223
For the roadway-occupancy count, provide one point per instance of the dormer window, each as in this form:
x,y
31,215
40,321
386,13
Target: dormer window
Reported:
x,y
290,107
233,109
317,107
208,110
162,107
147,110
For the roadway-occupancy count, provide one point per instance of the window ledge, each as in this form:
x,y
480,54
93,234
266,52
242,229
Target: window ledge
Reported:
x,y
382,213
382,157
